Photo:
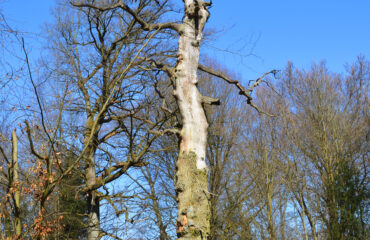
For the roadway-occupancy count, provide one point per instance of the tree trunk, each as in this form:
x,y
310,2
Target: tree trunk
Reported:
x,y
270,221
15,181
191,175
93,221
93,229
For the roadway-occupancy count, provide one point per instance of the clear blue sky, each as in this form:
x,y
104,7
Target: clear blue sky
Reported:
x,y
302,31
274,31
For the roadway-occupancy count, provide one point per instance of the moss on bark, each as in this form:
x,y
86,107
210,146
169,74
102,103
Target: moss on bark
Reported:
x,y
191,188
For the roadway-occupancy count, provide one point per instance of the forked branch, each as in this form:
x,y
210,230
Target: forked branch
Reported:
x,y
242,91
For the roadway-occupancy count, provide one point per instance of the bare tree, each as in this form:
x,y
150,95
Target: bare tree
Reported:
x,y
329,134
102,55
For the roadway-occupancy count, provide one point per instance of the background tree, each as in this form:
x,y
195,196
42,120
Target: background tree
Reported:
x,y
102,54
330,117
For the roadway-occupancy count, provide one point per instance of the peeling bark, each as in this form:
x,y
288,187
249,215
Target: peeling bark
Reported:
x,y
191,176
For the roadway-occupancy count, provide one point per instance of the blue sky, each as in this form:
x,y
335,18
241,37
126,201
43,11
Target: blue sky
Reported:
x,y
302,31
261,35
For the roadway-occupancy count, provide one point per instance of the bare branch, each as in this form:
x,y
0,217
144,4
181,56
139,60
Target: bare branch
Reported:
x,y
35,90
107,177
171,130
33,151
164,108
242,90
4,155
105,233
144,25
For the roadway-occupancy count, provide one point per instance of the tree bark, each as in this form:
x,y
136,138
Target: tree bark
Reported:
x,y
191,174
15,180
93,221
93,229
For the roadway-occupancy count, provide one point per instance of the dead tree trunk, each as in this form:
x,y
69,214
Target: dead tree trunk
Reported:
x,y
191,175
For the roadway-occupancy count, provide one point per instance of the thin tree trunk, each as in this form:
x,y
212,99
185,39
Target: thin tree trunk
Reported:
x,y
269,191
162,228
271,226
302,214
191,175
93,221
17,204
93,229
309,217
304,226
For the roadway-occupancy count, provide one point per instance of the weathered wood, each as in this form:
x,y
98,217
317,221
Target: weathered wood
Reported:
x,y
191,176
